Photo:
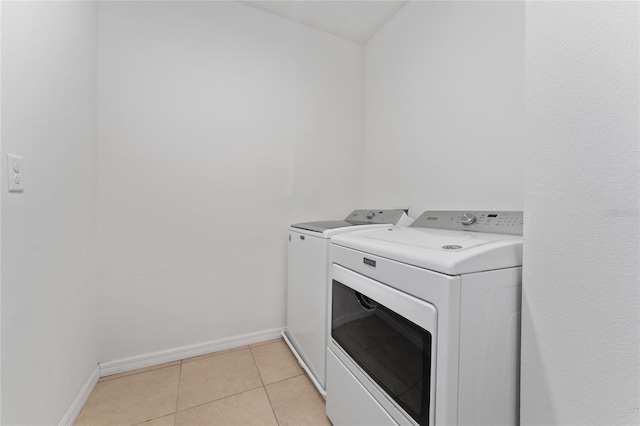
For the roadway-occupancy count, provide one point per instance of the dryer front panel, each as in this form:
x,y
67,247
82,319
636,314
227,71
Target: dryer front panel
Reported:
x,y
365,271
391,337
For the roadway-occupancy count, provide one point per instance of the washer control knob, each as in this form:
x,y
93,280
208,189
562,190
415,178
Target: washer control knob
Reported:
x,y
468,218
371,214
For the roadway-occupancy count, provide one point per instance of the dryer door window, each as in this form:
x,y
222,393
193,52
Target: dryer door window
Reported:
x,y
393,351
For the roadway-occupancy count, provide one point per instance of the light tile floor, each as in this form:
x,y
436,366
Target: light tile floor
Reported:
x,y
260,384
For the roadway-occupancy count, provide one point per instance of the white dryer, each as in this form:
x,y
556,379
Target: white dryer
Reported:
x,y
425,320
308,283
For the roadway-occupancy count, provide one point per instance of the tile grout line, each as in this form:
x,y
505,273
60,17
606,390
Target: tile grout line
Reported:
x,y
275,416
264,387
253,358
219,399
175,412
286,378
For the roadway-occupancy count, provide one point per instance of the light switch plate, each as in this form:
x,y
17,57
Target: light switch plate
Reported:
x,y
15,173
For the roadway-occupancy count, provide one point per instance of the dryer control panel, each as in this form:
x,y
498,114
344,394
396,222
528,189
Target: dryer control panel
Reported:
x,y
495,222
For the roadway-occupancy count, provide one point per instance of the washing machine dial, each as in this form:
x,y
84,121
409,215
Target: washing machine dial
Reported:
x,y
370,215
468,218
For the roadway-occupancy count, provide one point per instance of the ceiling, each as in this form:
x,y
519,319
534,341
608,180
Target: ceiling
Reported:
x,y
356,20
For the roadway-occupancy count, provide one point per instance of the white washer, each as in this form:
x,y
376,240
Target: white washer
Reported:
x,y
308,283
425,321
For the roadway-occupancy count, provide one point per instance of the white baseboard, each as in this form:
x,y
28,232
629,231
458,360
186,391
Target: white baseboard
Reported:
x,y
160,357
74,410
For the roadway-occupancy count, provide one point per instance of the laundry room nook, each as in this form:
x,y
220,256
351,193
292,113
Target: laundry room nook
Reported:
x,y
460,178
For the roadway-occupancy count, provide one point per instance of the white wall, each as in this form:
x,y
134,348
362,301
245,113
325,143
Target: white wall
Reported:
x,y
218,126
444,106
48,232
580,342
1,196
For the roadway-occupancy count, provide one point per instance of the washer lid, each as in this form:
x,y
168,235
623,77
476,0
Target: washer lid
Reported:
x,y
358,218
323,225
445,251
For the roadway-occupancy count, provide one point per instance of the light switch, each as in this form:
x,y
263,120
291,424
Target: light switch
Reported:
x,y
15,169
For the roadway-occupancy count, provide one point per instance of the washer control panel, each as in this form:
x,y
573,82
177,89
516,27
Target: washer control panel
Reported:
x,y
375,216
496,222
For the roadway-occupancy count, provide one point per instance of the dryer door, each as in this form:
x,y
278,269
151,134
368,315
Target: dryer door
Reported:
x,y
390,336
